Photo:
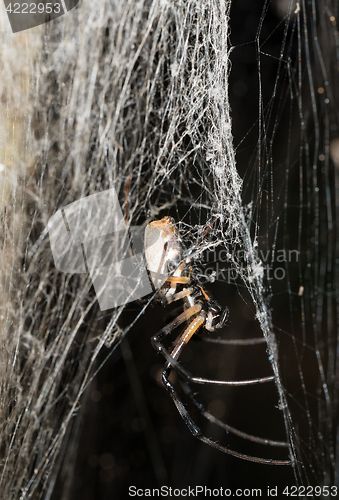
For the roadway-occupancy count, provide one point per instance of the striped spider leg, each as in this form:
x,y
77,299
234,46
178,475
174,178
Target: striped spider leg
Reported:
x,y
200,312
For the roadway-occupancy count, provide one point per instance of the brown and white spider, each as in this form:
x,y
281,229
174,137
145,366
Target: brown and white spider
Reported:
x,y
167,272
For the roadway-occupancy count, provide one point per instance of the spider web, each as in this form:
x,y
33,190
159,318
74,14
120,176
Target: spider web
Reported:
x,y
201,123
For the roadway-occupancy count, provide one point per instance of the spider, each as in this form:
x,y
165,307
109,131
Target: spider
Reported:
x,y
167,271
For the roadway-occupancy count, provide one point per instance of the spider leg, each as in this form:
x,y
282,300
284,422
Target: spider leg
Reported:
x,y
183,280
186,375
192,328
173,356
186,336
156,340
172,360
177,296
202,236
196,431
260,340
174,280
229,428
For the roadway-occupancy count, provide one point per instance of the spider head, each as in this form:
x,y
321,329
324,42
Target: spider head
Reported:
x,y
216,316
